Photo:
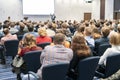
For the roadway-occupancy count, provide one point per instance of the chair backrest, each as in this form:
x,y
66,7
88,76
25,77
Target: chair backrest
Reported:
x,y
11,47
20,37
112,65
102,49
55,71
42,45
32,61
92,49
87,68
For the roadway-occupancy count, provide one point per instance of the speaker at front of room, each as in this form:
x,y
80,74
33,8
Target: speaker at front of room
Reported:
x,y
88,1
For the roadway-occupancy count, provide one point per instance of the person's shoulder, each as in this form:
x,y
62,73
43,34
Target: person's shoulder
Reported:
x,y
48,37
49,47
98,40
69,49
109,50
14,35
37,48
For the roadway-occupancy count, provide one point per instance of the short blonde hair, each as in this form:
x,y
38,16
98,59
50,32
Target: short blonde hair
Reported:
x,y
115,39
42,32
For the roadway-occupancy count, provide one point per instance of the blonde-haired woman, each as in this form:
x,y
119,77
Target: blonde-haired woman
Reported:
x,y
115,49
43,36
26,45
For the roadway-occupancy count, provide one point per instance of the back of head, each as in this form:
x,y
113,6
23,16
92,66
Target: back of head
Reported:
x,y
6,22
5,31
81,28
59,38
115,39
12,24
79,45
29,40
88,31
105,31
5,26
95,30
42,31
30,27
64,25
50,25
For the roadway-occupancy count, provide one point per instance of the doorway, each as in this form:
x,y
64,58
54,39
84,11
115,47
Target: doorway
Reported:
x,y
116,15
87,16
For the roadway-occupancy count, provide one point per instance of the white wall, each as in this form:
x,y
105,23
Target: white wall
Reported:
x,y
64,10
96,9
71,9
11,8
109,8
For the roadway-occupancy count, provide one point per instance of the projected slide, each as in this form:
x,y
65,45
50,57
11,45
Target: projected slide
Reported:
x,y
38,7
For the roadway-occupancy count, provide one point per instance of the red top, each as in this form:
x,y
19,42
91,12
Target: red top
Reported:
x,y
27,49
43,39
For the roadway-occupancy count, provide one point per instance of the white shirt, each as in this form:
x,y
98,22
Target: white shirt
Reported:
x,y
110,51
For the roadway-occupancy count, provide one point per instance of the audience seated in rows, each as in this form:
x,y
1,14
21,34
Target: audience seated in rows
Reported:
x,y
91,29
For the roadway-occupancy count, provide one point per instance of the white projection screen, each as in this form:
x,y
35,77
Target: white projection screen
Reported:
x,y
38,7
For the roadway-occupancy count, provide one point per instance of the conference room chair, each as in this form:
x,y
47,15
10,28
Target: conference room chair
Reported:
x,y
20,37
32,61
55,71
11,47
112,66
92,49
87,68
52,37
42,45
102,48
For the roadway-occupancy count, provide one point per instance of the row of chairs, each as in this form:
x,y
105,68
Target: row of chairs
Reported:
x,y
87,67
58,71
112,66
33,60
11,47
101,49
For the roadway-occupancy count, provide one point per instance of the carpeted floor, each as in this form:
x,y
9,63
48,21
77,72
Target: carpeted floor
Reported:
x,y
5,71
